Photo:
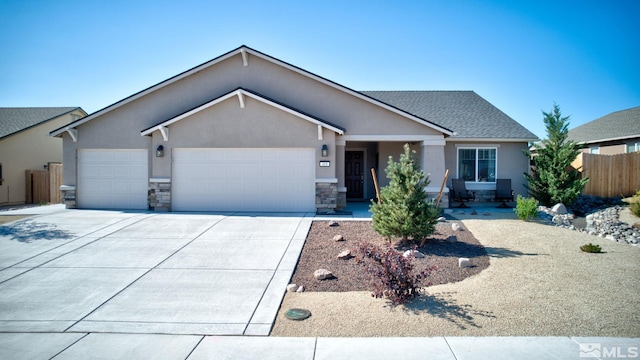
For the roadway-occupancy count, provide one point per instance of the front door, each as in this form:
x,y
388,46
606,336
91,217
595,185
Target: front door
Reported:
x,y
354,174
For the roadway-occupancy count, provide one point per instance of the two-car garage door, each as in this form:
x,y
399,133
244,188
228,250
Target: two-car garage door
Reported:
x,y
280,179
202,179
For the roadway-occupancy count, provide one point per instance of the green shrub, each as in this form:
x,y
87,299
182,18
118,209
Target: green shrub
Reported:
x,y
591,248
526,208
635,204
404,210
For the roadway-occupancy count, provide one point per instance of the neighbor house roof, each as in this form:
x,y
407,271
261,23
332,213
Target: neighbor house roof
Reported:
x,y
466,113
623,124
246,51
16,119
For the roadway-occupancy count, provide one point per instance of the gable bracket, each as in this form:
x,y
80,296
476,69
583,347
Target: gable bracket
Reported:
x,y
245,57
74,134
241,99
165,132
319,132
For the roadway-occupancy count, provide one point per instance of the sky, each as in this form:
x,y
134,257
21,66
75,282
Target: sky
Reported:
x,y
522,56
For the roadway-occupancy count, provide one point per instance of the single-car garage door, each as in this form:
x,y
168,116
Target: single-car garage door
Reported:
x,y
243,180
112,179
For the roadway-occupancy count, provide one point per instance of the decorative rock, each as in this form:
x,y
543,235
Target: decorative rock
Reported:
x,y
464,262
452,239
345,255
338,238
455,227
333,223
322,274
300,289
415,253
442,219
559,209
292,287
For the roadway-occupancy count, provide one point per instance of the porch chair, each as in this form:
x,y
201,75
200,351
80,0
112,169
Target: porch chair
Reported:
x,y
460,193
504,192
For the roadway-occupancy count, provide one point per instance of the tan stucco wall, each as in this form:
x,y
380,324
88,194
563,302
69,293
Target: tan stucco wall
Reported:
x,y
29,150
257,125
121,128
512,164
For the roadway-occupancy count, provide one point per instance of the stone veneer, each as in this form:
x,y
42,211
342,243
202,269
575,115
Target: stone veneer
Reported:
x,y
326,195
68,196
159,194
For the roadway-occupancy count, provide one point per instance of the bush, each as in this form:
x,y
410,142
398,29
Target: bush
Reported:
x,y
635,204
591,248
392,274
526,208
404,210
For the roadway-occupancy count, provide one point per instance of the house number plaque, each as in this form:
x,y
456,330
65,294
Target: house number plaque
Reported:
x,y
325,163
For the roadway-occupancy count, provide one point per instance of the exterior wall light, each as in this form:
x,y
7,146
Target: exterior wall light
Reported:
x,y
160,151
325,150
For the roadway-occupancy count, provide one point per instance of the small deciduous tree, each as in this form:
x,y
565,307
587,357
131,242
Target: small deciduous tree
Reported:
x,y
552,179
404,210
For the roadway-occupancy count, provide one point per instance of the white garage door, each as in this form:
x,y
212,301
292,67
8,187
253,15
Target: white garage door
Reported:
x,y
112,179
243,180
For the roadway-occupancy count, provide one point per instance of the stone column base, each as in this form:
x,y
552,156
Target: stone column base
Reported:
x,y
69,196
326,195
159,194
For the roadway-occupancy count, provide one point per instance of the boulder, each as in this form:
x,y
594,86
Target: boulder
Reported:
x,y
345,255
452,239
322,274
559,209
464,262
442,219
455,227
338,238
333,223
292,287
415,253
300,289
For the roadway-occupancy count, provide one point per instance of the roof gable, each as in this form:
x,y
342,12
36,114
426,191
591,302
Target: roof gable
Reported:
x,y
466,113
240,94
17,119
246,54
621,124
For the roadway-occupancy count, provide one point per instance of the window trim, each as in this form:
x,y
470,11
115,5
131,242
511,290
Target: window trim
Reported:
x,y
595,150
477,148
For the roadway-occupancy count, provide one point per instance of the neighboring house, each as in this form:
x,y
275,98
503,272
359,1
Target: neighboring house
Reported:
x,y
615,133
248,132
25,145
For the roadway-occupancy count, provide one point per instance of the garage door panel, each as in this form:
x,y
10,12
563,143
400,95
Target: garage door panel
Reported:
x,y
244,180
112,179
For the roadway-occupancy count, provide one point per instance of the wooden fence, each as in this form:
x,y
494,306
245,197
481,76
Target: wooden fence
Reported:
x,y
611,175
43,186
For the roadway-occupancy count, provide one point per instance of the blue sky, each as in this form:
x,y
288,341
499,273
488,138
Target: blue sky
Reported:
x,y
522,56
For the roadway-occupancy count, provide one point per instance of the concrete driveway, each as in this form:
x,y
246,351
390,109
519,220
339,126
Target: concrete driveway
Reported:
x,y
83,271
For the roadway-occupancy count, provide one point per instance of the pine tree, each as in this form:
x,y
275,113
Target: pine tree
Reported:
x,y
404,210
552,179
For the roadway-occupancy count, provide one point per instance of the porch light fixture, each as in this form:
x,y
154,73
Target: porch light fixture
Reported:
x,y
325,150
160,151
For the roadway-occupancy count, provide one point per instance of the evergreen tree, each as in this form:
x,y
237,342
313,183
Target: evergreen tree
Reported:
x,y
552,179
404,209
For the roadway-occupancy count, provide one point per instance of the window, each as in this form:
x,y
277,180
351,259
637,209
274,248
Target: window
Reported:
x,y
477,164
594,150
633,147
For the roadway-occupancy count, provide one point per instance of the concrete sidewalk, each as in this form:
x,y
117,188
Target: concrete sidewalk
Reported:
x,y
81,346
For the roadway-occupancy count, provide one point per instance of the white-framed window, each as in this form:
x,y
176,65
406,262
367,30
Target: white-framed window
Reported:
x,y
477,164
633,147
594,150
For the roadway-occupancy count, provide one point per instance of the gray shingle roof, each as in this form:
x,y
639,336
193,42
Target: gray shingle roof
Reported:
x,y
464,112
619,124
14,120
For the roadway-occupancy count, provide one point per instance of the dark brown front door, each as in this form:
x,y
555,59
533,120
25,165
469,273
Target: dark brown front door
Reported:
x,y
354,174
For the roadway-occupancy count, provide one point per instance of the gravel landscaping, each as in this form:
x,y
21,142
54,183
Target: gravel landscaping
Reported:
x,y
538,283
